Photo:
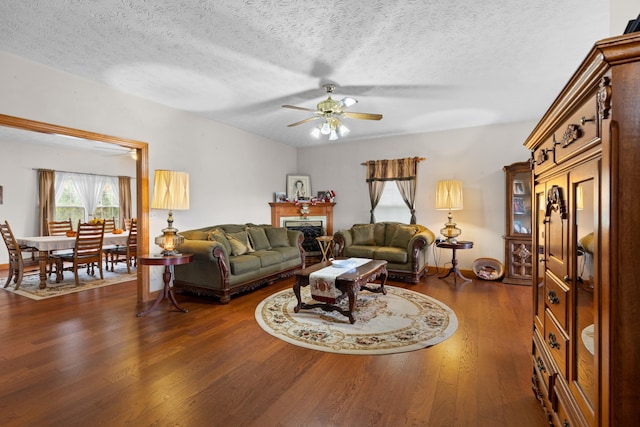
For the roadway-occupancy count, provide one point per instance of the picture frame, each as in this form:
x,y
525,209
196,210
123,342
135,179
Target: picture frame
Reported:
x,y
518,187
279,197
322,195
298,187
518,205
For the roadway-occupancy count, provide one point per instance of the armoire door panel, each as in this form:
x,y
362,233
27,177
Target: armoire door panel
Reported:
x,y
556,217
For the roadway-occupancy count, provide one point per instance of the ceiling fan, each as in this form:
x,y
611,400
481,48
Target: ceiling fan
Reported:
x,y
330,112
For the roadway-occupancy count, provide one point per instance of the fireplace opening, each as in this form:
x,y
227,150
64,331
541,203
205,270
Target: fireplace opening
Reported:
x,y
310,230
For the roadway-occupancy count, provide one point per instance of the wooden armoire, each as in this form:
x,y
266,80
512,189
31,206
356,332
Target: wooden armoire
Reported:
x,y
585,155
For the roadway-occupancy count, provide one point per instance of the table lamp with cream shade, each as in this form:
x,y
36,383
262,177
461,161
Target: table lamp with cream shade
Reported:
x,y
449,197
171,192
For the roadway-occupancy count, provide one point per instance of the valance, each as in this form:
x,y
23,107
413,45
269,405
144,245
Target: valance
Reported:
x,y
392,170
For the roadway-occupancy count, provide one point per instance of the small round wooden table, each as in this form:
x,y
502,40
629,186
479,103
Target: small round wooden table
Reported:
x,y
167,292
454,262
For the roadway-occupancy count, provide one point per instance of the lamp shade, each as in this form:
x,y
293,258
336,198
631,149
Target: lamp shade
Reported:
x,y
171,190
449,195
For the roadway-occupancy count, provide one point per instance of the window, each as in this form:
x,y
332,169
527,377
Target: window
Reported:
x,y
68,205
391,206
108,206
84,196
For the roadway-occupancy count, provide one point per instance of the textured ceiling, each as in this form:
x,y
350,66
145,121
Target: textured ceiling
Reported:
x,y
425,65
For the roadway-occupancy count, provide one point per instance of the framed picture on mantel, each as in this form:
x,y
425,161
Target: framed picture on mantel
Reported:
x,y
298,187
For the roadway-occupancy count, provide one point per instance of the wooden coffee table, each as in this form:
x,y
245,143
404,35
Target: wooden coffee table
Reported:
x,y
350,282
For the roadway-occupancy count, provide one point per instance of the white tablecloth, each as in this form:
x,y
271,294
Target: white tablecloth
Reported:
x,y
54,243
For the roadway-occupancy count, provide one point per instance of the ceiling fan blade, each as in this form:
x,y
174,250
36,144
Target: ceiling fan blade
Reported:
x,y
362,116
298,108
310,119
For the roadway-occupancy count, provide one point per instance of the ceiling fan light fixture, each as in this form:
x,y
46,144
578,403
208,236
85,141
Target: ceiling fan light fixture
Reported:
x,y
333,135
325,129
343,130
348,102
315,132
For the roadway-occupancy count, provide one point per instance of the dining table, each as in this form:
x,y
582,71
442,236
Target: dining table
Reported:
x,y
46,244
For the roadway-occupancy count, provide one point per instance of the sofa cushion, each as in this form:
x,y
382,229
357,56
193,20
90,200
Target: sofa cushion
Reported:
x,y
402,235
360,251
378,233
389,232
243,264
217,235
288,252
195,234
363,234
278,236
239,243
259,239
391,254
268,258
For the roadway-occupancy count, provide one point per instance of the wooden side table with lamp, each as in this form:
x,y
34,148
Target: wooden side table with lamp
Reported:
x,y
167,291
171,192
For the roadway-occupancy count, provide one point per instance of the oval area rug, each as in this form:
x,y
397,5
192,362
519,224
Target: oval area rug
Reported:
x,y
402,320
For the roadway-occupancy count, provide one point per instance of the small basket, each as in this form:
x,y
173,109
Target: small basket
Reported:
x,y
488,269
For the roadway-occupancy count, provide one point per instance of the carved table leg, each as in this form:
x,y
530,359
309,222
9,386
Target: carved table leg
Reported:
x,y
296,291
166,292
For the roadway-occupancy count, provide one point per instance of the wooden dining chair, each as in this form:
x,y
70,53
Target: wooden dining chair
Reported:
x,y
109,225
87,251
59,228
127,223
128,252
17,262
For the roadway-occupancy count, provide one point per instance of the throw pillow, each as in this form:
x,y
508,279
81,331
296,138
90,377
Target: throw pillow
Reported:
x,y
258,238
218,236
239,243
363,235
278,236
403,234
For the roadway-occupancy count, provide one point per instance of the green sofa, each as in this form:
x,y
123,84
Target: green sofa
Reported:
x,y
404,247
233,258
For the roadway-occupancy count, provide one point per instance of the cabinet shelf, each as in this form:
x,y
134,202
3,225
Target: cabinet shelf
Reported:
x,y
517,244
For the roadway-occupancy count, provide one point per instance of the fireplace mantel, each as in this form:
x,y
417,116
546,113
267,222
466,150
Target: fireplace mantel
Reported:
x,y
293,212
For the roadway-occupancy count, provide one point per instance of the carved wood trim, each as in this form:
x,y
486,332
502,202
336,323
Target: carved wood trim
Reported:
x,y
604,98
556,202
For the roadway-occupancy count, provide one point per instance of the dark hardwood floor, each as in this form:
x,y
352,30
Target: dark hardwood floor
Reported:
x,y
86,359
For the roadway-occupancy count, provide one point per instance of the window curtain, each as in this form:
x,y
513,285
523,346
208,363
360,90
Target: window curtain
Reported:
x,y
124,198
403,171
375,191
47,197
408,193
90,188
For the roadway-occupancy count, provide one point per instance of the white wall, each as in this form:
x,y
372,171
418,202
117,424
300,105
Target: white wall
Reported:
x,y
621,12
474,155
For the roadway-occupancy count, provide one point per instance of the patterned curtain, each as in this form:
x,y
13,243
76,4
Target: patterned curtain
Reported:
x,y
47,196
403,171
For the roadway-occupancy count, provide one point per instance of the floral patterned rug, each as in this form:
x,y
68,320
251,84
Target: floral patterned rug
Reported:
x,y
400,321
30,286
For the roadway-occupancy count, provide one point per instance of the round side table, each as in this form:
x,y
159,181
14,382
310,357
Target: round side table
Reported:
x,y
168,262
454,261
